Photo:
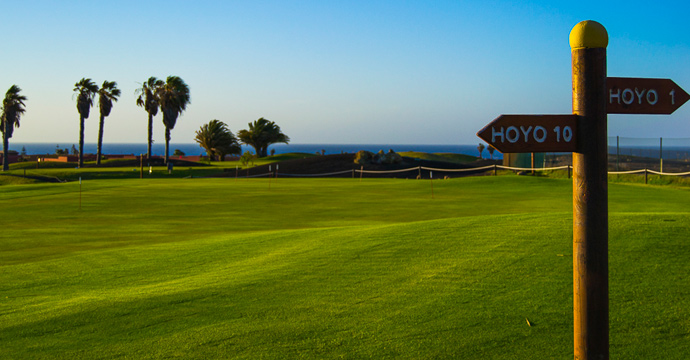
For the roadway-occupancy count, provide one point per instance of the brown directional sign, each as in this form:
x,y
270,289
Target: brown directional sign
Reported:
x,y
532,133
643,96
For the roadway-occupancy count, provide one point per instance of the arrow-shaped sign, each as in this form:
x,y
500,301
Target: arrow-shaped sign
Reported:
x,y
643,96
532,133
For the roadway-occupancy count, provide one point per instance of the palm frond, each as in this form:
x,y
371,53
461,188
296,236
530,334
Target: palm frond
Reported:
x,y
13,108
148,95
106,95
86,90
109,89
173,98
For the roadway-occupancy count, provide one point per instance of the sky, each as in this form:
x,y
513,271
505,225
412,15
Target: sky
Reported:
x,y
331,72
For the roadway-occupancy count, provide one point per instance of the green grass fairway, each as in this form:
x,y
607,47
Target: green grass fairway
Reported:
x,y
330,268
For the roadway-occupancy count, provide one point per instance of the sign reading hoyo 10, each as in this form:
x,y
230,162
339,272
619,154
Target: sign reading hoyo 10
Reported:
x,y
532,133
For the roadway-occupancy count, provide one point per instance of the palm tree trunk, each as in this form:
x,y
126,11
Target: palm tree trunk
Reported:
x,y
167,144
81,142
5,147
257,149
100,140
148,156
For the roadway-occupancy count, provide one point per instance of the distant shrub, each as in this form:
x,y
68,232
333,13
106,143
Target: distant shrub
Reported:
x,y
247,157
364,157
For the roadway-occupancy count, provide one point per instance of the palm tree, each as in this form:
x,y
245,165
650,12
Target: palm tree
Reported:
x,y
173,98
85,90
261,134
148,99
12,110
217,139
481,148
106,95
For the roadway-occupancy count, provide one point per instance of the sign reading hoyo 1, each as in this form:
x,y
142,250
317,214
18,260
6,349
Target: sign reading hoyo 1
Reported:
x,y
532,133
644,96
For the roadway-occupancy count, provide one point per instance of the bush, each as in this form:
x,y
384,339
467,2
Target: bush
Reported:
x,y
364,157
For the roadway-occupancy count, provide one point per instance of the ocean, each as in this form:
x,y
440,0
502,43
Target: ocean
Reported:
x,y
669,152
194,149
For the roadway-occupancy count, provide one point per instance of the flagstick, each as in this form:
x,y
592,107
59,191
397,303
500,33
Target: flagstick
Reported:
x,y
431,178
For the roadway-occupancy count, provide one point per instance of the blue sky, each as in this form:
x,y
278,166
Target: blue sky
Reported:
x,y
395,72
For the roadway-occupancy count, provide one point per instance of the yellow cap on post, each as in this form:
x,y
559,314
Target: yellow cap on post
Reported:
x,y
588,34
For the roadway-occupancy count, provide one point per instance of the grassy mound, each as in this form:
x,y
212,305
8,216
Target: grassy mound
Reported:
x,y
15,179
30,165
441,157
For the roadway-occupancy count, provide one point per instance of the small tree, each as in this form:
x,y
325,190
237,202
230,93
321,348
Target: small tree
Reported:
x,y
59,151
217,140
261,134
480,147
178,152
247,158
491,151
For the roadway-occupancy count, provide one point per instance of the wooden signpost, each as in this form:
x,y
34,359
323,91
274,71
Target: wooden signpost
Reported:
x,y
584,133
